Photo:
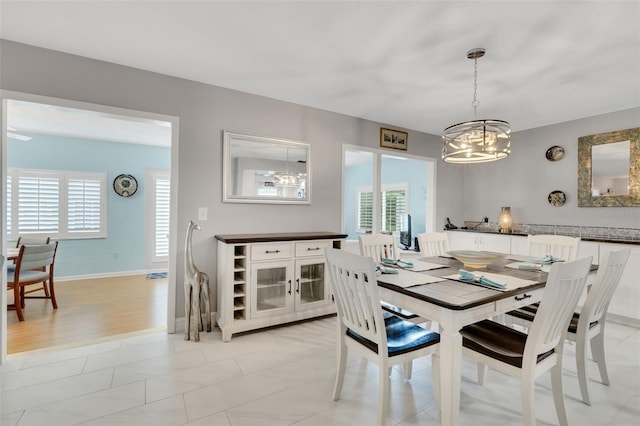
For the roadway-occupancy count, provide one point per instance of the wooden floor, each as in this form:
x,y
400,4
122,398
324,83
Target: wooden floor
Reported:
x,y
89,310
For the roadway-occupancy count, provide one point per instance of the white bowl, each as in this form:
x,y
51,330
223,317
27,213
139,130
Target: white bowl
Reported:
x,y
476,259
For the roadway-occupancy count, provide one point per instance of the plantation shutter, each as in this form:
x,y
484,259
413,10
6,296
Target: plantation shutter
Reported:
x,y
365,210
9,213
163,198
84,212
39,200
394,207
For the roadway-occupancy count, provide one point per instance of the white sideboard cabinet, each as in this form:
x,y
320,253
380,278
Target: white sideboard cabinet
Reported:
x,y
466,240
270,279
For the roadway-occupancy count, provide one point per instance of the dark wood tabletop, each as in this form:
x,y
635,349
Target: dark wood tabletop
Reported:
x,y
458,295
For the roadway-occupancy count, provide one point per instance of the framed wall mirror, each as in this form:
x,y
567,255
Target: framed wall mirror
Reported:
x,y
259,169
609,169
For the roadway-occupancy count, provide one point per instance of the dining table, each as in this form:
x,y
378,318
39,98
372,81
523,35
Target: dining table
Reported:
x,y
437,294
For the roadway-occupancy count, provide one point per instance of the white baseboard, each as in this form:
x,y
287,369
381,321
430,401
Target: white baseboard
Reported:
x,y
108,275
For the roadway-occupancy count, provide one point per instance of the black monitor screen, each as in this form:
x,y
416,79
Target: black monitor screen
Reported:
x,y
405,234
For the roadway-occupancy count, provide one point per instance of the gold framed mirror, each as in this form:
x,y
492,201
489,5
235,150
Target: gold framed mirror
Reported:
x,y
609,169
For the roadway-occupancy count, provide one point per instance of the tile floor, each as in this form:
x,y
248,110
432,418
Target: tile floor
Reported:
x,y
281,376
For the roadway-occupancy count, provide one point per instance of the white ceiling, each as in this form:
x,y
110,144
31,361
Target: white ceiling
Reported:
x,y
399,63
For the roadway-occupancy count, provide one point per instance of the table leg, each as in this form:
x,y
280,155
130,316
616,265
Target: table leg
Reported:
x,y
450,371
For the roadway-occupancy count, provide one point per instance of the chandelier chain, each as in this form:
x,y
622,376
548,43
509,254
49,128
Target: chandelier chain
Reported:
x,y
475,103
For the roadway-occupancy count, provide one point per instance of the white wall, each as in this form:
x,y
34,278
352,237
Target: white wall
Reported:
x,y
525,179
204,112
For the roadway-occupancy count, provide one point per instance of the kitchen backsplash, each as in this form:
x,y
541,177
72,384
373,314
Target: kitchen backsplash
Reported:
x,y
593,232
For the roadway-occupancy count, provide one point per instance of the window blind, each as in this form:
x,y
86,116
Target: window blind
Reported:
x,y
38,204
163,198
83,205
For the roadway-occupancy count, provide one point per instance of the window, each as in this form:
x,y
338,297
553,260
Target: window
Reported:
x,y
158,206
393,203
61,205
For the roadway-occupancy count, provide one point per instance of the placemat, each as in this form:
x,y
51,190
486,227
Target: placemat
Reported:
x,y
511,283
419,265
406,279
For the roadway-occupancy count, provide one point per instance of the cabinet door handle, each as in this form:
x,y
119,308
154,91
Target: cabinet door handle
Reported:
x,y
289,286
313,248
298,285
271,251
524,296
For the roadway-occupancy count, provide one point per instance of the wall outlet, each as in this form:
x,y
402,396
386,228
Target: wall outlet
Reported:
x,y
203,213
485,219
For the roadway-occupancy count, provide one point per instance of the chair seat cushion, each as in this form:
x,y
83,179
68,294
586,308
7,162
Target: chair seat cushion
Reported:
x,y
402,336
528,313
497,341
29,276
399,312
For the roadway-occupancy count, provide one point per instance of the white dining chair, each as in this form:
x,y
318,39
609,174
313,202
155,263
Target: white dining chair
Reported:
x,y
527,356
433,244
587,326
383,246
364,327
561,246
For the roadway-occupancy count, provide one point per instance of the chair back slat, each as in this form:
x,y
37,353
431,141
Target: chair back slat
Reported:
x,y
607,279
565,284
433,244
33,257
566,248
378,247
32,241
355,289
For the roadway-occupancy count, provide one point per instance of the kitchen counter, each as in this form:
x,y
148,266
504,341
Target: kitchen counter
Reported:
x,y
619,237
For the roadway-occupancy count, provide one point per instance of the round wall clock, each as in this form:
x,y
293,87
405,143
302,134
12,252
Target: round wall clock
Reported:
x,y
125,185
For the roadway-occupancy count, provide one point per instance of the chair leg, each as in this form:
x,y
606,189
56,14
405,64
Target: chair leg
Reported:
x,y
528,400
342,368
52,295
581,365
383,396
558,394
435,378
597,351
407,369
18,301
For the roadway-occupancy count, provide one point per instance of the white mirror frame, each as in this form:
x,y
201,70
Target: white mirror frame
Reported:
x,y
231,138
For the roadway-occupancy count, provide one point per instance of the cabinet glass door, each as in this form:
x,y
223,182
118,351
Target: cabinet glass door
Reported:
x,y
311,287
271,287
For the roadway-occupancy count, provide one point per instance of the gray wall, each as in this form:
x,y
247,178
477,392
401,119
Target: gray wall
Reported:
x,y
524,180
464,192
204,112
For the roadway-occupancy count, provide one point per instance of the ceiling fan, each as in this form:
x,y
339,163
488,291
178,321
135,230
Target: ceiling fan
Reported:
x,y
11,134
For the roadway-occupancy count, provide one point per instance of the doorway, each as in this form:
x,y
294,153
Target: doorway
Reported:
x,y
34,131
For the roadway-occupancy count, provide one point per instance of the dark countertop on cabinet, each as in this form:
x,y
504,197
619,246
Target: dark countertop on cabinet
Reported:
x,y
285,236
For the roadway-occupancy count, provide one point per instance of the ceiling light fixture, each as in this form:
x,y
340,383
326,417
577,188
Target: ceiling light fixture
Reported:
x,y
476,141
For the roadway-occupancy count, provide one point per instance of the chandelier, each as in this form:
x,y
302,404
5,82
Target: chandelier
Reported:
x,y
476,141
286,179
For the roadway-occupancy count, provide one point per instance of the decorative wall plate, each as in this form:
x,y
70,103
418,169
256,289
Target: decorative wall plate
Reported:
x,y
555,153
557,198
125,185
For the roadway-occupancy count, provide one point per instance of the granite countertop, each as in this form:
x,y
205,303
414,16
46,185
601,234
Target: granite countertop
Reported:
x,y
597,239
